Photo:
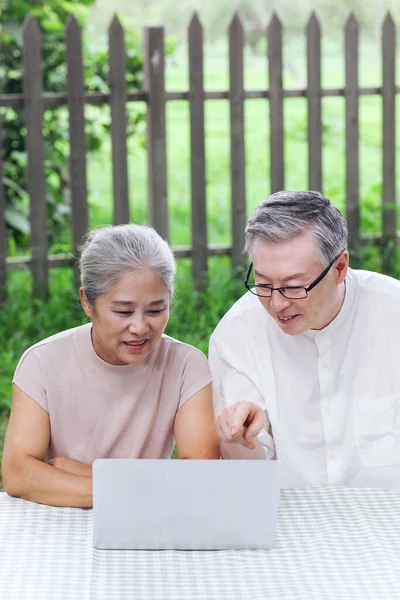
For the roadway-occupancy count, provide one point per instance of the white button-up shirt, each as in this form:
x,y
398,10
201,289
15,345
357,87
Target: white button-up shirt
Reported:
x,y
331,397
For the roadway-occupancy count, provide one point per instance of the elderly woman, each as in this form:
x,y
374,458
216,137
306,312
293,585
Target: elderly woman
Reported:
x,y
115,387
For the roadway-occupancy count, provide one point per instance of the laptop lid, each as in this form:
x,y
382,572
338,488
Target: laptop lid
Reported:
x,y
147,504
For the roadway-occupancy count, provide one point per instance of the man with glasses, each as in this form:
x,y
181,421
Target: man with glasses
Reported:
x,y
306,365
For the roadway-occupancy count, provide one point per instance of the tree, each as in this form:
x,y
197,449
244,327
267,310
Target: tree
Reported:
x,y
52,16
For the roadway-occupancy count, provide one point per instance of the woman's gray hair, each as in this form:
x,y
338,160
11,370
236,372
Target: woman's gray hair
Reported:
x,y
285,215
110,252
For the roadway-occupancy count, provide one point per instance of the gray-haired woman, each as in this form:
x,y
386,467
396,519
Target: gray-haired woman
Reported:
x,y
115,387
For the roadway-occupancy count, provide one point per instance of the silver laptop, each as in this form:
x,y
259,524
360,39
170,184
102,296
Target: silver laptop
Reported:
x,y
145,504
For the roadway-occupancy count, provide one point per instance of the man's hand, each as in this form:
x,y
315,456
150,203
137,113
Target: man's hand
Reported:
x,y
240,423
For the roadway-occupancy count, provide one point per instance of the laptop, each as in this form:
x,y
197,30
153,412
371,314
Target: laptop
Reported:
x,y
161,504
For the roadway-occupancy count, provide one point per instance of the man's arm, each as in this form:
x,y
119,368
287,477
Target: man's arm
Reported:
x,y
237,419
25,475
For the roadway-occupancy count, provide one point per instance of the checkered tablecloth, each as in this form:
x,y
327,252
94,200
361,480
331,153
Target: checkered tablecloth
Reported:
x,y
332,543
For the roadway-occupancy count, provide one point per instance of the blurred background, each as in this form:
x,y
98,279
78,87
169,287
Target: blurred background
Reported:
x,y
25,319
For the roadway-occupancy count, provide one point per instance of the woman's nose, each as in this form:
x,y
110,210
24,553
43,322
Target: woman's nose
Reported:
x,y
138,325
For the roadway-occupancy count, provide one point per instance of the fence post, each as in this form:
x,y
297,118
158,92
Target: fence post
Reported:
x,y
314,104
77,137
197,153
389,225
238,160
156,135
118,91
352,148
33,115
276,104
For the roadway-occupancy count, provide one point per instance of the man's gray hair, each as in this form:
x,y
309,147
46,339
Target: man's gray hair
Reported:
x,y
286,215
112,251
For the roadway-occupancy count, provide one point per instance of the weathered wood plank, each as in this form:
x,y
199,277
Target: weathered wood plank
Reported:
x,y
118,92
18,263
53,100
33,116
156,135
352,131
314,104
238,160
77,137
275,66
197,151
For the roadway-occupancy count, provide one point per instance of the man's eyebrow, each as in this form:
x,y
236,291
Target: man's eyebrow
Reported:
x,y
129,303
295,276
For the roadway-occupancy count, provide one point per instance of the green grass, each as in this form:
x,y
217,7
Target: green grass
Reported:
x,y
257,143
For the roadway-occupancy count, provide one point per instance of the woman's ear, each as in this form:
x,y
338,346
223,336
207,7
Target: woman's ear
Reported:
x,y
85,304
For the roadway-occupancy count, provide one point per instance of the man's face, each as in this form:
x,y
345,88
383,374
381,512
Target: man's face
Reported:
x,y
296,263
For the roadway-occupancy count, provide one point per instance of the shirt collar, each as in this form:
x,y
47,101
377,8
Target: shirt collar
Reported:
x,y
342,314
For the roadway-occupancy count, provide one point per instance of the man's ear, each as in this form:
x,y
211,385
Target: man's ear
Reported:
x,y
341,267
85,304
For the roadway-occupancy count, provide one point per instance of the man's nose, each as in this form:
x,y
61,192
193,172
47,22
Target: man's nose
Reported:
x,y
279,302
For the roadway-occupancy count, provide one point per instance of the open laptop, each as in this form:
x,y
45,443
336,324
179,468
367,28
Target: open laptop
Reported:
x,y
146,504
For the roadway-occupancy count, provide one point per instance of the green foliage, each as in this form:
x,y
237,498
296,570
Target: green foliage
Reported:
x,y
52,16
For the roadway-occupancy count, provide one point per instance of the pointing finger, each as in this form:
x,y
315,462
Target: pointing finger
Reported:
x,y
256,425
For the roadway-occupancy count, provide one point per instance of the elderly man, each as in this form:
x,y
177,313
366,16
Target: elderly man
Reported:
x,y
306,365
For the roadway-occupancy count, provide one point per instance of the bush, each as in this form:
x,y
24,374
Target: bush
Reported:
x,y
52,16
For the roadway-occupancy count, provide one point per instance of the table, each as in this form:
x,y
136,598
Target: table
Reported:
x,y
331,543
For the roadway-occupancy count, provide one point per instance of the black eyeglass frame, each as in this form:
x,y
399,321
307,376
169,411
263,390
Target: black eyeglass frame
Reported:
x,y
265,286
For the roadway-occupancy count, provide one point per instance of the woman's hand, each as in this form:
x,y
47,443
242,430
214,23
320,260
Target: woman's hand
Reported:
x,y
69,465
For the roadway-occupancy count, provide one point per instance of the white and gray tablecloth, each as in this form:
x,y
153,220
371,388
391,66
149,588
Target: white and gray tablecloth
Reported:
x,y
331,543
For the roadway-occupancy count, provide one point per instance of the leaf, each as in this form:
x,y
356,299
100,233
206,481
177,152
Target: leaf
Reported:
x,y
17,220
14,186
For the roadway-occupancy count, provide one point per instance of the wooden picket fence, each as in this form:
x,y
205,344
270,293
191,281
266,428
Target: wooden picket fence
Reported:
x,y
35,101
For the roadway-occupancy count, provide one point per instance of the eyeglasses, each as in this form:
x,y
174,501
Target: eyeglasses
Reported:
x,y
291,292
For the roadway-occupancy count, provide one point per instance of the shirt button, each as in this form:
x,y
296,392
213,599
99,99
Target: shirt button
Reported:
x,y
325,366
332,455
328,411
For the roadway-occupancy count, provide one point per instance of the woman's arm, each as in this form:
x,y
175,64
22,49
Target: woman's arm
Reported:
x,y
195,434
25,475
70,465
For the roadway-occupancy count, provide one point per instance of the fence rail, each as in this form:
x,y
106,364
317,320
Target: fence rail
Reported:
x,y
34,101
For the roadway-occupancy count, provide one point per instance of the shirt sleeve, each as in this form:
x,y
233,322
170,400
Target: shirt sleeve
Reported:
x,y
232,381
28,377
195,376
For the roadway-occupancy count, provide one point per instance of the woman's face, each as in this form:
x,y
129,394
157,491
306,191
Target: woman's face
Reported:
x,y
129,319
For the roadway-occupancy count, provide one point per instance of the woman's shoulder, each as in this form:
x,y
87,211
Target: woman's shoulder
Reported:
x,y
180,350
60,340
187,367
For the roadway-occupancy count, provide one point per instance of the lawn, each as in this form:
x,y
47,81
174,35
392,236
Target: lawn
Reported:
x,y
257,143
